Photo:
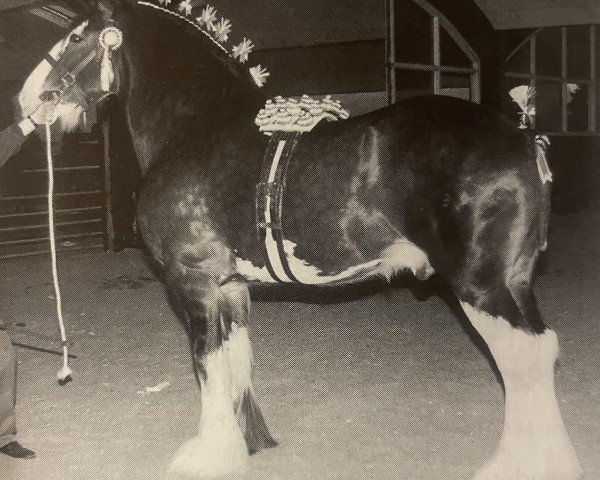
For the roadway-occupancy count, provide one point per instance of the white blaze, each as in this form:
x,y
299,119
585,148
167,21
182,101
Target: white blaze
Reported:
x,y
29,96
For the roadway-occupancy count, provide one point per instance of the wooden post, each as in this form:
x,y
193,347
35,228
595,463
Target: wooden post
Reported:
x,y
390,52
109,232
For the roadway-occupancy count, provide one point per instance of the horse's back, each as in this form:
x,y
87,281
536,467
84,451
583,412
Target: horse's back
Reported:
x,y
408,172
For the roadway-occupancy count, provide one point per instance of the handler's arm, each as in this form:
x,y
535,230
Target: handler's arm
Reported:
x,y
13,137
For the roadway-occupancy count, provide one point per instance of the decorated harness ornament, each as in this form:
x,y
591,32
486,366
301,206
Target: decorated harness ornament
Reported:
x,y
292,115
284,120
110,39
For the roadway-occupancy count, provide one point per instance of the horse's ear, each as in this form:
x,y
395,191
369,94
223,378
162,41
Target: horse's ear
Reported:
x,y
107,8
90,8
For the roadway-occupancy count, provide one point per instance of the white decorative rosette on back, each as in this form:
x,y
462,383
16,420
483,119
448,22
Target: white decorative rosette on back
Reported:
x,y
217,30
298,115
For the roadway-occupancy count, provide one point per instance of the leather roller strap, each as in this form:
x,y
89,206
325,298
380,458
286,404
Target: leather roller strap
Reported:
x,y
269,203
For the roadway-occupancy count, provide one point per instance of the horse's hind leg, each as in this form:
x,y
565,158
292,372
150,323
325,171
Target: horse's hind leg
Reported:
x,y
219,449
534,443
236,309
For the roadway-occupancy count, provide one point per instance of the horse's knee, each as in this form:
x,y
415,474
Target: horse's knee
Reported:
x,y
235,303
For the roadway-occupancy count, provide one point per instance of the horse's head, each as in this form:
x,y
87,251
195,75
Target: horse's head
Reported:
x,y
80,67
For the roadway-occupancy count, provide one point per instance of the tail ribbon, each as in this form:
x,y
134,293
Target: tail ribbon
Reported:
x,y
542,142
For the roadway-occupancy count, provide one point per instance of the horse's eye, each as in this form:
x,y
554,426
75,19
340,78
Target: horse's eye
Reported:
x,y
75,38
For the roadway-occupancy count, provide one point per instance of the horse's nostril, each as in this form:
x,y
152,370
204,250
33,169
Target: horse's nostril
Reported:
x,y
48,95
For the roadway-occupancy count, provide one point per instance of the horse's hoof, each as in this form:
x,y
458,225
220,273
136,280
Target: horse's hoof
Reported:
x,y
208,458
505,469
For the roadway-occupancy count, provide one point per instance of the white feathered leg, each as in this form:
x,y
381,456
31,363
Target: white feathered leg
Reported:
x,y
236,302
534,444
219,450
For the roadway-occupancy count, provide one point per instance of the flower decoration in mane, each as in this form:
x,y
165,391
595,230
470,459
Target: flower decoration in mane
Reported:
x,y
242,50
222,30
186,6
217,30
208,18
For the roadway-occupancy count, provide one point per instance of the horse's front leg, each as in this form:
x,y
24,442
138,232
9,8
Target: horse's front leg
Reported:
x,y
219,450
236,309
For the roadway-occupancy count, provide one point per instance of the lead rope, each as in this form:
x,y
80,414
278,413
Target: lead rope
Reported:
x,y
65,372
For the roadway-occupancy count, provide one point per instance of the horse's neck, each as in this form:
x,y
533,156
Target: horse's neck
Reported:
x,y
165,104
157,118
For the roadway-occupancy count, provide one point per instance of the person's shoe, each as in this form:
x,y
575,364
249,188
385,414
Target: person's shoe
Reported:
x,y
16,450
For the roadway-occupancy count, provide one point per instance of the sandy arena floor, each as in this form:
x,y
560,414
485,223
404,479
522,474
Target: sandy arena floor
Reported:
x,y
386,386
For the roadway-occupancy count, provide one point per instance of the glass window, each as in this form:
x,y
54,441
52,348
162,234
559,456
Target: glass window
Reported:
x,y
416,26
410,83
549,106
577,107
563,101
520,61
415,43
549,52
451,53
455,85
578,52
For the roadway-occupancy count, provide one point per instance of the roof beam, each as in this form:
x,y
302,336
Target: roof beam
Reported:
x,y
53,15
509,14
19,4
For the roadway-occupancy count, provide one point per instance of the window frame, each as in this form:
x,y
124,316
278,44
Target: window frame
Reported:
x,y
592,83
437,68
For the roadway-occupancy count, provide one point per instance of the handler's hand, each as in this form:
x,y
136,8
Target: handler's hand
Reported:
x,y
45,113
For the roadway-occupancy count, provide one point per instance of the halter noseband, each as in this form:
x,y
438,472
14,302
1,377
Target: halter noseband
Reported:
x,y
110,39
68,78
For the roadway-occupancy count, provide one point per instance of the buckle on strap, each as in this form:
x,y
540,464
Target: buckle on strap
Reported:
x,y
269,196
68,80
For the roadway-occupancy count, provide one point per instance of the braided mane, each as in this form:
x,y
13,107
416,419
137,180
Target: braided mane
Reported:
x,y
257,73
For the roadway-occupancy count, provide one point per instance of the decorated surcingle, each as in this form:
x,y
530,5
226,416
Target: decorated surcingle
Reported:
x,y
298,115
218,30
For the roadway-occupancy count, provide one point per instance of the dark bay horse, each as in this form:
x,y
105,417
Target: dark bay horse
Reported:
x,y
430,184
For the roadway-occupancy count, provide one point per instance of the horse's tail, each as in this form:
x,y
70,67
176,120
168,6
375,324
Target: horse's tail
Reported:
x,y
541,146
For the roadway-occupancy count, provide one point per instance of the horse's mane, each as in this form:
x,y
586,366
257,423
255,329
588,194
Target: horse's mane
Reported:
x,y
181,86
184,45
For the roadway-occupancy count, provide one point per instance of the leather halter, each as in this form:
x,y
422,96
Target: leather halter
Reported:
x,y
69,78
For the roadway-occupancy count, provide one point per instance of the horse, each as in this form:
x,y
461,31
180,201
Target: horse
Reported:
x,y
428,185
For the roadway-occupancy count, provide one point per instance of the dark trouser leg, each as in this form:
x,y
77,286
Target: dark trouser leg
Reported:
x,y
8,389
